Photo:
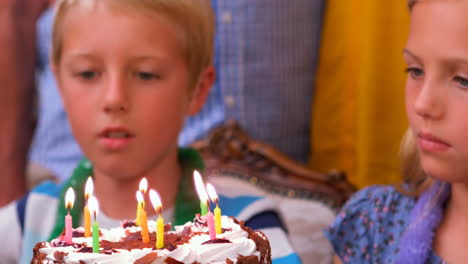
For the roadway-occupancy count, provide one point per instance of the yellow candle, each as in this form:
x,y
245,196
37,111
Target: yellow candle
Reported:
x,y
87,222
144,227
157,205
141,218
142,188
137,220
217,214
160,233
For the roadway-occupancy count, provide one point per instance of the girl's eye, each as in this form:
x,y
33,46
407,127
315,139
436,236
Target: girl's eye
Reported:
x,y
146,76
461,81
414,72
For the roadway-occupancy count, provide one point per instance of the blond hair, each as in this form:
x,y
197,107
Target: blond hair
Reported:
x,y
415,180
195,18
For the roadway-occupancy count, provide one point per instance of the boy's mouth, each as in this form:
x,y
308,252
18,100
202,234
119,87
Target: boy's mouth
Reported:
x,y
115,138
118,134
115,132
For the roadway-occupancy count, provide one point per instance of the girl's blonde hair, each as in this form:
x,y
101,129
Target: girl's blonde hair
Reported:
x,y
415,180
195,19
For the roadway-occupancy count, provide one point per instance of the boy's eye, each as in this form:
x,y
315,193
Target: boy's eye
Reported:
x,y
87,75
461,81
147,76
414,72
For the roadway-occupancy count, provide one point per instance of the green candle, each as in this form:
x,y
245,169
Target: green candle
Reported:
x,y
95,237
94,208
200,187
204,208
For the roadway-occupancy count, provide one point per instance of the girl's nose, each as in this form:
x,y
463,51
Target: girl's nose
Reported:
x,y
429,102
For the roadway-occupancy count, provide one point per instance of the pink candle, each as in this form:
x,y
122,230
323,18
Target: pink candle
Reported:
x,y
68,228
69,200
211,225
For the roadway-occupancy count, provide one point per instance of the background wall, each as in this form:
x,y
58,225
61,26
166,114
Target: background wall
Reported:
x,y
358,116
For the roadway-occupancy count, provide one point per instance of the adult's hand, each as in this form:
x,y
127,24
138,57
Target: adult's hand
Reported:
x,y
17,78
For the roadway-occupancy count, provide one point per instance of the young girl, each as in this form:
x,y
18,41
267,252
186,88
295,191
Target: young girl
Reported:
x,y
425,220
129,72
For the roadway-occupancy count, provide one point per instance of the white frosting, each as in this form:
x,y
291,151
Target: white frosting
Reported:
x,y
194,250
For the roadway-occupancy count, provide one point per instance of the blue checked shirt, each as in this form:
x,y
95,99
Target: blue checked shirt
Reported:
x,y
265,54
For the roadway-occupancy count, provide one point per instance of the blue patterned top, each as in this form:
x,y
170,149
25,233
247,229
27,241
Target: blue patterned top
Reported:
x,y
369,227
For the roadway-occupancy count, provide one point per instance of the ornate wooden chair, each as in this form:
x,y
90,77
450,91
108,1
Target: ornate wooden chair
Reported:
x,y
308,200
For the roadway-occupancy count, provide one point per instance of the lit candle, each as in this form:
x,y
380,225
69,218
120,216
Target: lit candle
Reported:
x,y
217,212
89,188
156,202
94,208
143,187
211,225
69,200
200,187
143,219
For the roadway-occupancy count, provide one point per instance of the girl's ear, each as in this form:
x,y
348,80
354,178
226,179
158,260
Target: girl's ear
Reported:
x,y
202,89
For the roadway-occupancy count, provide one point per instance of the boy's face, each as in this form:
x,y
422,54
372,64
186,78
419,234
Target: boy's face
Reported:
x,y
437,87
124,82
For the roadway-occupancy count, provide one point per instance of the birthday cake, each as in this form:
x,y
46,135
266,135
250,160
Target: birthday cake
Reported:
x,y
189,243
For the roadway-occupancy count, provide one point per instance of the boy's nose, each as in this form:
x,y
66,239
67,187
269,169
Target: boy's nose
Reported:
x,y
115,97
429,102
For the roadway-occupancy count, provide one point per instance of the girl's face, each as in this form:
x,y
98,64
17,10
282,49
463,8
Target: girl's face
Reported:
x,y
125,85
437,87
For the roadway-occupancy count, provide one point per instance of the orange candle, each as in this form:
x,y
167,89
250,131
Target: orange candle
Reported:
x,y
87,222
143,220
87,216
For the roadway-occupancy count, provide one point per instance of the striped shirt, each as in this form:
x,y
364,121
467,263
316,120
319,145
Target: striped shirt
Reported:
x,y
265,56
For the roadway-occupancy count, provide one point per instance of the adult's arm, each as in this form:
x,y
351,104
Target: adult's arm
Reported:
x,y
17,81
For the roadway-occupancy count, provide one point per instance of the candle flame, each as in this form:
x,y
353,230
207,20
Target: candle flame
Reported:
x,y
200,187
140,197
93,206
212,192
143,185
69,198
89,188
155,201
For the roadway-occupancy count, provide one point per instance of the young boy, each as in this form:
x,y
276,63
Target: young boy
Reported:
x,y
129,72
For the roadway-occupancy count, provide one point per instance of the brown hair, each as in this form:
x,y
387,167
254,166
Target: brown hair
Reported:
x,y
411,3
194,17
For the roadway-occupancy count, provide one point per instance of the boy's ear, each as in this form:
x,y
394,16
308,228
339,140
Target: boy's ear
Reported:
x,y
202,90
